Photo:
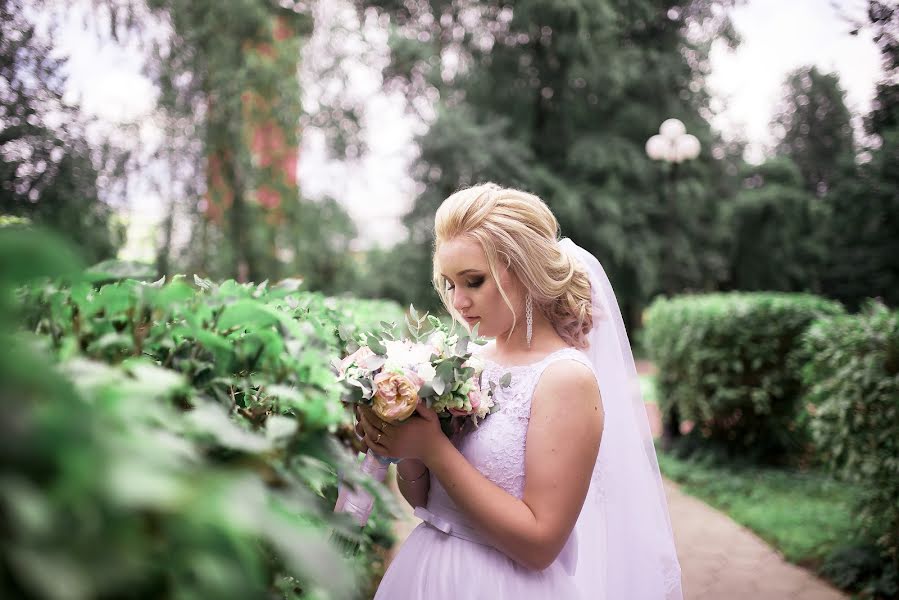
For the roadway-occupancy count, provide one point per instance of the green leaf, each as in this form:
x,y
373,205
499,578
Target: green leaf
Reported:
x,y
376,346
278,427
203,284
246,314
27,253
113,270
212,420
445,370
461,348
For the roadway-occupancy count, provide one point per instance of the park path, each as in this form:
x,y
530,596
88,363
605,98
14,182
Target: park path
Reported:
x,y
720,560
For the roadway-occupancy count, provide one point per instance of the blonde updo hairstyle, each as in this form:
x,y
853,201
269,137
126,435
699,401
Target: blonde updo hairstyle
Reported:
x,y
518,229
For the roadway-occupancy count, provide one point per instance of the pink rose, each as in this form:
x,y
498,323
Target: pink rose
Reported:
x,y
356,357
474,396
396,395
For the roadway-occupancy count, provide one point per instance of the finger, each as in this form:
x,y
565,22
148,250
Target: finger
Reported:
x,y
377,443
379,449
367,412
365,418
425,412
374,420
359,444
369,429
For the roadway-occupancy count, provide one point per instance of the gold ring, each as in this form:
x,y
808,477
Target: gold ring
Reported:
x,y
378,439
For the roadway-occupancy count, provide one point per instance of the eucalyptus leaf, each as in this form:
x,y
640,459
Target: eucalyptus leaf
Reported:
x,y
376,346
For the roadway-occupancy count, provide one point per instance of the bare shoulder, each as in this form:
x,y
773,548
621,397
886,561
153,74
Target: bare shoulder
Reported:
x,y
570,380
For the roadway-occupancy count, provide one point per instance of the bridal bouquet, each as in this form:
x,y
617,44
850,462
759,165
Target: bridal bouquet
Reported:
x,y
393,375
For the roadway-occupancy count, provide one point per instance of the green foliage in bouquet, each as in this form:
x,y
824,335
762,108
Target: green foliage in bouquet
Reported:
x,y
729,363
452,364
170,440
853,384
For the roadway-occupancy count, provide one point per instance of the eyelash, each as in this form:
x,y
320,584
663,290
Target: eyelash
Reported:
x,y
472,284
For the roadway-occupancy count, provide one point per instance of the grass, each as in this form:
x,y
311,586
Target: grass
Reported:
x,y
805,515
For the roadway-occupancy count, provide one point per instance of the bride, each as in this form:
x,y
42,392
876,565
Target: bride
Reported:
x,y
558,493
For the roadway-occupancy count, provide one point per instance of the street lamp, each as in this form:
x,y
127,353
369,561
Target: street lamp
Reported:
x,y
673,145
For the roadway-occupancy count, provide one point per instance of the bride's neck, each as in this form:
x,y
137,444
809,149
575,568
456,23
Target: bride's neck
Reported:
x,y
544,340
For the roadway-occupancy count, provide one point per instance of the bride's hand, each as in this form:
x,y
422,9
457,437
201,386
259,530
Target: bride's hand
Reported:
x,y
413,438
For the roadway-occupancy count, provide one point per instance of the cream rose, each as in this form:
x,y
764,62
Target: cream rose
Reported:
x,y
396,395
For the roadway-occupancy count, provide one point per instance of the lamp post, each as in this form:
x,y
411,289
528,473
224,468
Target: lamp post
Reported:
x,y
672,145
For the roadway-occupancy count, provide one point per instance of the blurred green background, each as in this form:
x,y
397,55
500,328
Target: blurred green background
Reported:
x,y
183,438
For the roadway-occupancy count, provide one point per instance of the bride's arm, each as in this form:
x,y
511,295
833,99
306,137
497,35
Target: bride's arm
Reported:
x,y
562,445
414,481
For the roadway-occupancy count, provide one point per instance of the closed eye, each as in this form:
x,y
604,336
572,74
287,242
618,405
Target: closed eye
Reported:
x,y
473,283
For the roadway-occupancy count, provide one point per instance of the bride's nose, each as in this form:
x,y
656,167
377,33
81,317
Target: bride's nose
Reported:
x,y
461,302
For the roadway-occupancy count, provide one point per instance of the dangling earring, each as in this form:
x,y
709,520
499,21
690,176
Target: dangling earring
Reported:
x,y
529,317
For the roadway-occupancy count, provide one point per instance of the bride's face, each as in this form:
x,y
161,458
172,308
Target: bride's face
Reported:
x,y
473,291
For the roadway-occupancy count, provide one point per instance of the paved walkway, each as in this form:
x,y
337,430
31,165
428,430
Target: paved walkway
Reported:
x,y
723,560
720,560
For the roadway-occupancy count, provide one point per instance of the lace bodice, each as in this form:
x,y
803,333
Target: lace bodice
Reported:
x,y
497,446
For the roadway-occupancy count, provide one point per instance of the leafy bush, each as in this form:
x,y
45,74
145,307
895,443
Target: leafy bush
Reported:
x,y
728,362
861,568
165,441
853,382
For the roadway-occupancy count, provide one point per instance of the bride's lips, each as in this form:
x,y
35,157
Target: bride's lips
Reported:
x,y
472,319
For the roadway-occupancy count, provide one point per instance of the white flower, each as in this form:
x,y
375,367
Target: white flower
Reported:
x,y
426,371
475,362
403,354
483,410
438,340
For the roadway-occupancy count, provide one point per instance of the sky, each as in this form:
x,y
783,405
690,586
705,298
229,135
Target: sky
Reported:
x,y
777,36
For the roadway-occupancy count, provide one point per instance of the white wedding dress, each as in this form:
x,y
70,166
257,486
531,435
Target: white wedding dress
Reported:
x,y
444,557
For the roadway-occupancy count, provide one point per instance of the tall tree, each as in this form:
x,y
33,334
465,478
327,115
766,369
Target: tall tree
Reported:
x,y
48,170
559,97
864,256
777,240
230,104
814,127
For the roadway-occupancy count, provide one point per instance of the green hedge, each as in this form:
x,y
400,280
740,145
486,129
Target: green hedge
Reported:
x,y
728,362
171,440
853,381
